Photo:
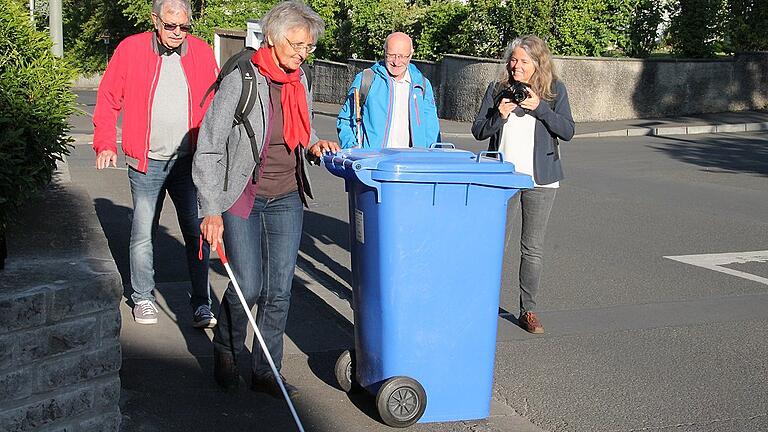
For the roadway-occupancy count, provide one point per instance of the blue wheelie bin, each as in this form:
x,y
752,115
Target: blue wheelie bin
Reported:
x,y
427,228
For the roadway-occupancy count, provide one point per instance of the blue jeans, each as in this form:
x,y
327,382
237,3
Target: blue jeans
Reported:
x,y
262,253
148,191
536,204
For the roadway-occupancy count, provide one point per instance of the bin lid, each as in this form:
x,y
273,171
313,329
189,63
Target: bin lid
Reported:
x,y
435,165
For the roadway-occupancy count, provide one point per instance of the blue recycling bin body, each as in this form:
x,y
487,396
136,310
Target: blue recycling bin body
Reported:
x,y
427,231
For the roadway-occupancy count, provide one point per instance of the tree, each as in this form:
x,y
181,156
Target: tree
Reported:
x,y
643,28
695,28
35,103
746,25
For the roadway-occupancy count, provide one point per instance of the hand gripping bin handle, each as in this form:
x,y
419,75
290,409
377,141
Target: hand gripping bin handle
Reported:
x,y
349,169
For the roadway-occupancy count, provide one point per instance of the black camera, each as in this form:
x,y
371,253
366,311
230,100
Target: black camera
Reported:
x,y
516,92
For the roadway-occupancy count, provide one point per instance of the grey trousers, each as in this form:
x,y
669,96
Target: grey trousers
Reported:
x,y
535,205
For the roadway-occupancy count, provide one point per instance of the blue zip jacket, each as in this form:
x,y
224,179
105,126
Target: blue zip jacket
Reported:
x,y
377,111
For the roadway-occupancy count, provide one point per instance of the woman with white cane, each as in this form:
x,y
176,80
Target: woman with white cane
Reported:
x,y
251,196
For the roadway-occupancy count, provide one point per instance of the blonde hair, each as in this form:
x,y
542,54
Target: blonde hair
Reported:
x,y
543,78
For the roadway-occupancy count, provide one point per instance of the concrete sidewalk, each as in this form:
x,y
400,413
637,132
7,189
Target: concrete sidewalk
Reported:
x,y
166,375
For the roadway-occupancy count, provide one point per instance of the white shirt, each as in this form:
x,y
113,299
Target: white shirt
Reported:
x,y
399,129
517,144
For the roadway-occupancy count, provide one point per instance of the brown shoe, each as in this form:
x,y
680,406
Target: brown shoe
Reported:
x,y
530,323
225,370
267,384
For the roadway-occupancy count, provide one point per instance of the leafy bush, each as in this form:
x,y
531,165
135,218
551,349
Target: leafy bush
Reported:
x,y
643,28
331,12
695,28
207,15
367,23
35,103
530,17
85,21
433,30
746,26
485,32
589,27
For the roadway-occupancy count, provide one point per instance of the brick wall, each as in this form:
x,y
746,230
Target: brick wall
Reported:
x,y
59,320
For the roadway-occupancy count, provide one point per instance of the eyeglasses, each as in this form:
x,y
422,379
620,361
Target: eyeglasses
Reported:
x,y
398,57
308,48
186,28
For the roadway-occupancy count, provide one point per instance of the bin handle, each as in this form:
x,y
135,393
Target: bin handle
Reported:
x,y
439,145
488,152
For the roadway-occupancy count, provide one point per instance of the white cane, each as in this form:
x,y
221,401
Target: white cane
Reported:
x,y
223,257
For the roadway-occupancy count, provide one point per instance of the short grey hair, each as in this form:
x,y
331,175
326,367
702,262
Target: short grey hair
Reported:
x,y
289,15
158,5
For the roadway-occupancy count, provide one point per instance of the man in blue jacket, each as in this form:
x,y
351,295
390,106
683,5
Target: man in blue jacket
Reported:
x,y
397,103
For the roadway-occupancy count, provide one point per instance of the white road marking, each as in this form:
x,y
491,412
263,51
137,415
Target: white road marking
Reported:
x,y
717,261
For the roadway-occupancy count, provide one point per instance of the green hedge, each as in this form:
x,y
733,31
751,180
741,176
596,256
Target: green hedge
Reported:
x,y
356,28
35,103
696,27
747,25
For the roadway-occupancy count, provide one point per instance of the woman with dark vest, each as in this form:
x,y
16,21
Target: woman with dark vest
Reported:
x,y
526,114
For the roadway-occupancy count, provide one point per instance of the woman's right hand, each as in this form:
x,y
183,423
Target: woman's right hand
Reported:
x,y
506,106
212,230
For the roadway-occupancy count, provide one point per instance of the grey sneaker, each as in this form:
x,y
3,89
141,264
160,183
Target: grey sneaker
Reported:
x,y
203,317
145,312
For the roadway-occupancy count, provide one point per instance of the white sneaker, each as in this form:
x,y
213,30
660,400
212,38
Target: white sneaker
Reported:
x,y
145,312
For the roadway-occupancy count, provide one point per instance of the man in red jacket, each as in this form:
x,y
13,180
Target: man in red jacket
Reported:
x,y
158,80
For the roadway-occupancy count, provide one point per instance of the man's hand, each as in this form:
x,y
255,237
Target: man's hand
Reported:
x,y
322,147
104,158
212,230
506,106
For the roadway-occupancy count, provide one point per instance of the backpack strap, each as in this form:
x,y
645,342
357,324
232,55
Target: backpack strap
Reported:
x,y
228,67
308,72
248,96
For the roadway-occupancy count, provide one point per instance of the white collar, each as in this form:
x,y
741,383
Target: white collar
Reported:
x,y
406,78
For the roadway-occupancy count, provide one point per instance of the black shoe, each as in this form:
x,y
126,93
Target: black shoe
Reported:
x,y
267,384
225,370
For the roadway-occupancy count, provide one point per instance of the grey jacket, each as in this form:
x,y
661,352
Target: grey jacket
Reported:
x,y
217,135
554,122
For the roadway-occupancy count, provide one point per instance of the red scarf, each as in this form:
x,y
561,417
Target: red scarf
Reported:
x,y
293,98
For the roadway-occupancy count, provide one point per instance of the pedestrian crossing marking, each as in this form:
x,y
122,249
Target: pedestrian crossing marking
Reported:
x,y
717,262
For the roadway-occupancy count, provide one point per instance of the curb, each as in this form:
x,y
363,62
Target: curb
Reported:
x,y
679,130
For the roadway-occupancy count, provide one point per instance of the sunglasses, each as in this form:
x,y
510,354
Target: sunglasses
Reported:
x,y
186,28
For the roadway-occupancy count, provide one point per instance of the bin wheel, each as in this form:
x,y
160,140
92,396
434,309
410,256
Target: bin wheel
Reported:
x,y
401,401
345,371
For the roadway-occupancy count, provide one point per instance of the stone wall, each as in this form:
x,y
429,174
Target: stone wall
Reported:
x,y
612,89
59,320
600,89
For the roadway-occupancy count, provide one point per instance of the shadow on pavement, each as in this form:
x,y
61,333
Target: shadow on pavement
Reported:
x,y
171,274
743,153
326,230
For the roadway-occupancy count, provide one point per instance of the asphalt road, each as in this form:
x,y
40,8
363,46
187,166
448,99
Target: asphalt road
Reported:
x,y
654,294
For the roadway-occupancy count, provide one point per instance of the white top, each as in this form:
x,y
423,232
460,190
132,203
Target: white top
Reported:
x,y
517,145
399,129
